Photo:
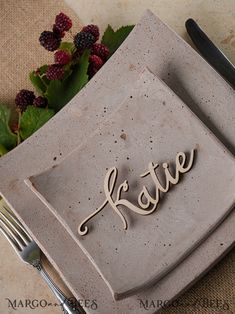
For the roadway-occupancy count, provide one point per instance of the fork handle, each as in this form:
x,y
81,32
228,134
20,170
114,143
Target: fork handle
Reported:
x,y
67,306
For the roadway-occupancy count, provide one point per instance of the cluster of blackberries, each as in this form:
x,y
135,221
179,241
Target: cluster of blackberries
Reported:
x,y
87,39
99,54
51,40
27,98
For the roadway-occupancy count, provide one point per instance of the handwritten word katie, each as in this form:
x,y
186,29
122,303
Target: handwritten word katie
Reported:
x,y
147,203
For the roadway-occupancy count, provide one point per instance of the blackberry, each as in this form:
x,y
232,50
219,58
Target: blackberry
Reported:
x,y
100,50
49,40
84,40
40,102
91,71
62,57
23,99
58,32
96,62
63,22
92,29
94,66
54,72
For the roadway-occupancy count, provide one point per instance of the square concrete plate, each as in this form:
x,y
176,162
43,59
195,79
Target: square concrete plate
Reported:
x,y
150,44
151,124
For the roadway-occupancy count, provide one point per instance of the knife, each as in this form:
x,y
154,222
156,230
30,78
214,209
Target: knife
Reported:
x,y
210,52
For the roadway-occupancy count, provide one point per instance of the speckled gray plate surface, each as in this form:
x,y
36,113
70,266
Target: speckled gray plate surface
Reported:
x,y
156,125
154,45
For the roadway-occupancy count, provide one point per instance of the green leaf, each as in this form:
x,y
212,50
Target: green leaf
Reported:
x,y
37,83
67,73
81,77
3,150
42,69
67,46
108,36
7,138
45,80
59,93
113,39
32,119
55,95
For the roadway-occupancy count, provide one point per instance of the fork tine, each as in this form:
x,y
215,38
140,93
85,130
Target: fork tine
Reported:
x,y
9,211
17,222
14,244
15,236
19,232
12,234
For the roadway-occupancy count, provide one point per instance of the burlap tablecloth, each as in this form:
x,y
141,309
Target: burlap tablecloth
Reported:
x,y
21,23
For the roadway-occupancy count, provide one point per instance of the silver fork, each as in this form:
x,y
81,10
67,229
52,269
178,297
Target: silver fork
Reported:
x,y
27,249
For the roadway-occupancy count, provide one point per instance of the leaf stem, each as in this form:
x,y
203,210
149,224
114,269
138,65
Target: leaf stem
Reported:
x,y
18,138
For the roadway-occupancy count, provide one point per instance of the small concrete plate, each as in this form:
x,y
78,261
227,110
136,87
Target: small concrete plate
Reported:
x,y
151,124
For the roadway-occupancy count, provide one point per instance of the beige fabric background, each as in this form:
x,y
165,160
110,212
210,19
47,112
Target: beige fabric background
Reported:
x,y
20,24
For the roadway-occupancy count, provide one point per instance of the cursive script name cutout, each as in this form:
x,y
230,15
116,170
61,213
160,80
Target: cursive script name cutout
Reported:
x,y
147,203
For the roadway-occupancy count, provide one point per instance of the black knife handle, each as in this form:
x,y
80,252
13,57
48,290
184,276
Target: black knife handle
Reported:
x,y
210,52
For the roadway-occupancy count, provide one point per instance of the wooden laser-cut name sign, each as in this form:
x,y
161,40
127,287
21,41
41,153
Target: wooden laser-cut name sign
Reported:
x,y
147,203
